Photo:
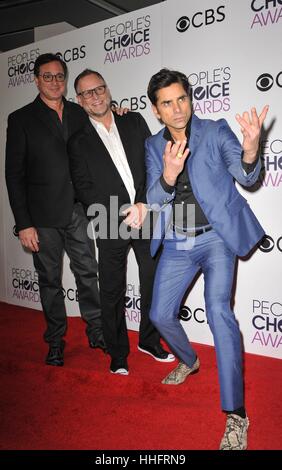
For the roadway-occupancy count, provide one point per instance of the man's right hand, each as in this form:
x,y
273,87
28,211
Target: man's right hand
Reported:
x,y
29,238
174,159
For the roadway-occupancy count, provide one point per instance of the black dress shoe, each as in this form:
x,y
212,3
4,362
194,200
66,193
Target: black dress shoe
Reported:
x,y
119,366
55,356
98,343
157,352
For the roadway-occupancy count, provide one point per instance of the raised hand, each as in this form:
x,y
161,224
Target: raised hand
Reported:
x,y
174,158
251,125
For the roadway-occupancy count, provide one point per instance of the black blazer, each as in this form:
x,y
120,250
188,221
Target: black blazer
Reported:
x,y
37,165
94,174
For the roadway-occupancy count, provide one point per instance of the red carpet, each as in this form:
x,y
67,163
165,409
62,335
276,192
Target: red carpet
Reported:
x,y
83,406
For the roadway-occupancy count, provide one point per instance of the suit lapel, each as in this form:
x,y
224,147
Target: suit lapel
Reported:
x,y
98,147
45,117
193,142
71,118
195,134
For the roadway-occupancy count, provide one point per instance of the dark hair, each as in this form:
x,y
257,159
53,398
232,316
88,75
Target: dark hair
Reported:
x,y
165,78
45,59
85,73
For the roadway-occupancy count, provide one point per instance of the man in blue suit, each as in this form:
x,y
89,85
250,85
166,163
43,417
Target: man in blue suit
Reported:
x,y
203,223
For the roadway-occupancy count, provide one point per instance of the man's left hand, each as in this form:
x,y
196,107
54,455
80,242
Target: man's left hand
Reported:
x,y
251,125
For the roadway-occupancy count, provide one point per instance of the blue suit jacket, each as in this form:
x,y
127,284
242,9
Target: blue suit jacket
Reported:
x,y
213,163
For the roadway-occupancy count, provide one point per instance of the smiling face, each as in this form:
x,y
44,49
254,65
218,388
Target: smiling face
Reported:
x,y
54,90
96,106
173,108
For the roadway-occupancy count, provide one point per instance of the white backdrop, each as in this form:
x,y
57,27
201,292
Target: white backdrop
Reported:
x,y
230,52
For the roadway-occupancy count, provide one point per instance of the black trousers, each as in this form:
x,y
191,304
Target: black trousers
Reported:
x,y
49,264
112,279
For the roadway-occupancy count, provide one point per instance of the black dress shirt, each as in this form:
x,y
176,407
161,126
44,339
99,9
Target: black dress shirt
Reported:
x,y
61,125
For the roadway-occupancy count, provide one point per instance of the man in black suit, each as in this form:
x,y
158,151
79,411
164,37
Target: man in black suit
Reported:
x,y
41,195
107,161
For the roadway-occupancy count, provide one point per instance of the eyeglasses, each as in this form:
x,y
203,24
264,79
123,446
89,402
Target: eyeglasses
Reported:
x,y
99,90
48,77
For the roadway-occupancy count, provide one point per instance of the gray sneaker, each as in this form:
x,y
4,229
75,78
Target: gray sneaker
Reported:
x,y
235,435
180,373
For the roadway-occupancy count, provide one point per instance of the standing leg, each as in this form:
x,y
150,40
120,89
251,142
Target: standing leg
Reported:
x,y
81,251
48,263
112,273
174,274
148,335
218,268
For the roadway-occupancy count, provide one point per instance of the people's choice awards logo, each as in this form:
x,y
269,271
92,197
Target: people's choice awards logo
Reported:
x,y
133,303
211,90
266,13
127,40
20,67
267,322
25,284
200,19
271,152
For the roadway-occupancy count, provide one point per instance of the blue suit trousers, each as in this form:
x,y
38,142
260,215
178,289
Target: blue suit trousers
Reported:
x,y
181,260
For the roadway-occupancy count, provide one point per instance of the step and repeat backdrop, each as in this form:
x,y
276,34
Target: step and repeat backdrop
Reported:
x,y
231,52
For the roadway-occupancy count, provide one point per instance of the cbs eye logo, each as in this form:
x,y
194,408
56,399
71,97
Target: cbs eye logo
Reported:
x,y
114,104
201,18
134,103
186,314
183,24
268,244
15,232
265,81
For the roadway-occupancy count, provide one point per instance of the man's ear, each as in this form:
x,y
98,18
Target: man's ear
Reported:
x,y
155,111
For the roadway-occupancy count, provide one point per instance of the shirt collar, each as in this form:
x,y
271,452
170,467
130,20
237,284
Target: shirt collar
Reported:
x,y
99,125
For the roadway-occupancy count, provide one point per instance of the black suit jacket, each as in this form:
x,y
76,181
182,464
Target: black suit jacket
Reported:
x,y
94,174
37,165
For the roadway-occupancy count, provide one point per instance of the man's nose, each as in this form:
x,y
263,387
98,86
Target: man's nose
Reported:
x,y
176,107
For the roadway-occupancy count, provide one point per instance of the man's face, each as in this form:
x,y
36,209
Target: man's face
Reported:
x,y
173,107
53,90
99,104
